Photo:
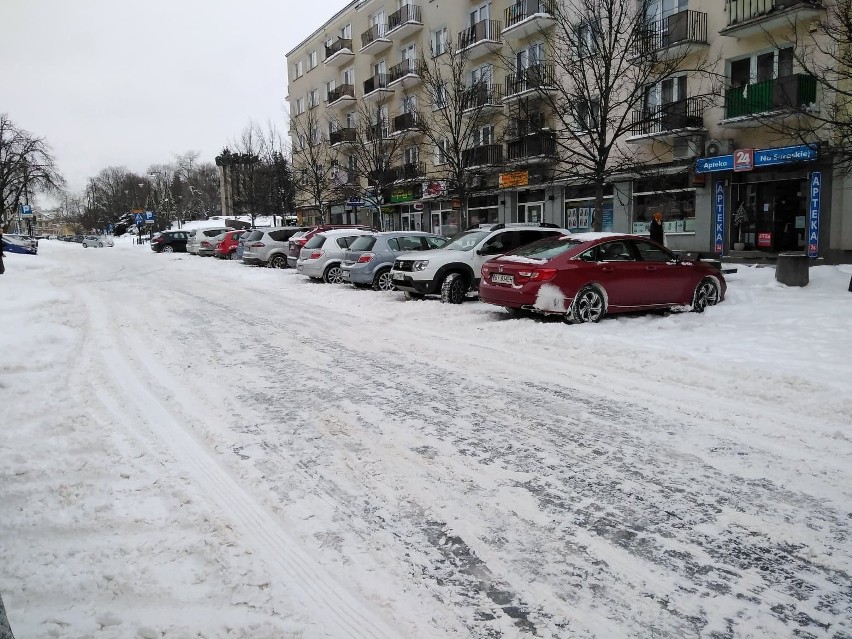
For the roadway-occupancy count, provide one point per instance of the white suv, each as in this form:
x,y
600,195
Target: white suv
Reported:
x,y
454,270
197,235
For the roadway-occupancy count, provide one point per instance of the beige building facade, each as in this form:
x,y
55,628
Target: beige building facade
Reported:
x,y
733,176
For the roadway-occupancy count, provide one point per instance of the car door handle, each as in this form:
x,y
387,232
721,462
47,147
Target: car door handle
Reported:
x,y
650,268
606,269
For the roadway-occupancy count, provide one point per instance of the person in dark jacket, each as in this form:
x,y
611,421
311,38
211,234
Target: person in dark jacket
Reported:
x,y
656,229
2,268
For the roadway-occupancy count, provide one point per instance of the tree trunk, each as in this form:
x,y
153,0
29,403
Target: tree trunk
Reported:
x,y
599,199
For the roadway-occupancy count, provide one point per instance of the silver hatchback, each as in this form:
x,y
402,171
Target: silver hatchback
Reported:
x,y
321,256
369,259
196,236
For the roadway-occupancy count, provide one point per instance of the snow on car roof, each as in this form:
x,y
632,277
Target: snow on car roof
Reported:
x,y
591,236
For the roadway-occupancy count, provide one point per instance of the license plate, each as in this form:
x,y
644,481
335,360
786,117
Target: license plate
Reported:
x,y
397,276
500,278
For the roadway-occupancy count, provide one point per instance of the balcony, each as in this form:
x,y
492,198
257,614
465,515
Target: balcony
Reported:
x,y
404,22
482,98
529,17
405,74
771,98
374,40
539,78
756,17
342,137
403,123
381,177
409,172
667,121
341,96
481,39
339,53
376,88
531,149
675,35
478,157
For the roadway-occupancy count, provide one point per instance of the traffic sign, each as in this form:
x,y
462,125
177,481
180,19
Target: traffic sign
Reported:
x,y
138,219
26,210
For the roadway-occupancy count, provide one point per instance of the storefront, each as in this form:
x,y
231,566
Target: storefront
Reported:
x,y
767,200
445,217
670,195
482,208
579,209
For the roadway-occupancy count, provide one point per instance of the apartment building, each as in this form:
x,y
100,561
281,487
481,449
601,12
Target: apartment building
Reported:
x,y
727,175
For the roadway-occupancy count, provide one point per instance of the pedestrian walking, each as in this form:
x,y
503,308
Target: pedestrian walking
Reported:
x,y
656,229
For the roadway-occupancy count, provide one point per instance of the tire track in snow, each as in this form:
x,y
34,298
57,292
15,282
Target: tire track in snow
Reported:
x,y
341,614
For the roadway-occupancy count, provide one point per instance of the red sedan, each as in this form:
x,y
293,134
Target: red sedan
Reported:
x,y
227,248
588,275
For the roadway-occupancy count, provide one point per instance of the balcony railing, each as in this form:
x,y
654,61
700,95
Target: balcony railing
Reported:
x,y
404,68
534,78
531,146
673,116
378,81
338,92
342,135
381,177
789,92
678,28
411,171
404,122
523,9
406,14
485,155
340,45
743,10
485,31
376,32
482,95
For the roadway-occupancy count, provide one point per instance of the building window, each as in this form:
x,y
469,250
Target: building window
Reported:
x,y
442,151
670,196
312,60
439,96
585,39
587,113
313,98
299,107
298,70
411,155
438,40
483,135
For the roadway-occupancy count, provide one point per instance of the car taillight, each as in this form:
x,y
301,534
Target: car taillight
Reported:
x,y
315,255
539,274
366,257
257,245
205,243
486,271
301,241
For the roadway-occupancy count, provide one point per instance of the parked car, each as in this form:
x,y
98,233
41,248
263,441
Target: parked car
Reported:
x,y
294,248
24,244
196,236
322,254
369,259
588,275
227,248
208,244
96,241
454,270
170,242
268,247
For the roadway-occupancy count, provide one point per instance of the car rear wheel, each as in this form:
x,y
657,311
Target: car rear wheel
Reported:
x,y
588,306
100,245
706,294
454,288
233,255
383,281
333,275
278,261
168,249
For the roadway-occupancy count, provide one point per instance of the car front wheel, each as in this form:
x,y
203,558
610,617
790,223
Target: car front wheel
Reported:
x,y
168,249
233,255
454,288
383,281
706,294
333,275
588,306
278,261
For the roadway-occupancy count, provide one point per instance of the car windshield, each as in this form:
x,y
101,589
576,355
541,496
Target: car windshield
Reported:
x,y
363,243
315,242
466,241
547,248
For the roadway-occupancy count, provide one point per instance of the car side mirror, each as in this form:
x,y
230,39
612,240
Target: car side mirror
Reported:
x,y
480,252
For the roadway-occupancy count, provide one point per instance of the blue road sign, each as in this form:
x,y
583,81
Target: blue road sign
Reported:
x,y
138,219
719,215
26,210
813,214
149,216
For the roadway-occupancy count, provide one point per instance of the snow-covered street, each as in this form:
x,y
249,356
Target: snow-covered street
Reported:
x,y
197,448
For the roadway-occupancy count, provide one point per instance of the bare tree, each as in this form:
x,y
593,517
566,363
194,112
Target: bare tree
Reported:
x,y
607,56
27,167
319,180
456,121
817,99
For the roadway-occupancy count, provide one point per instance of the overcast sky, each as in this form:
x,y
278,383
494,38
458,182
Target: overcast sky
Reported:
x,y
121,83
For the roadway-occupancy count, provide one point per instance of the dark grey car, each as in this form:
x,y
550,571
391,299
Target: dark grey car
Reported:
x,y
369,259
